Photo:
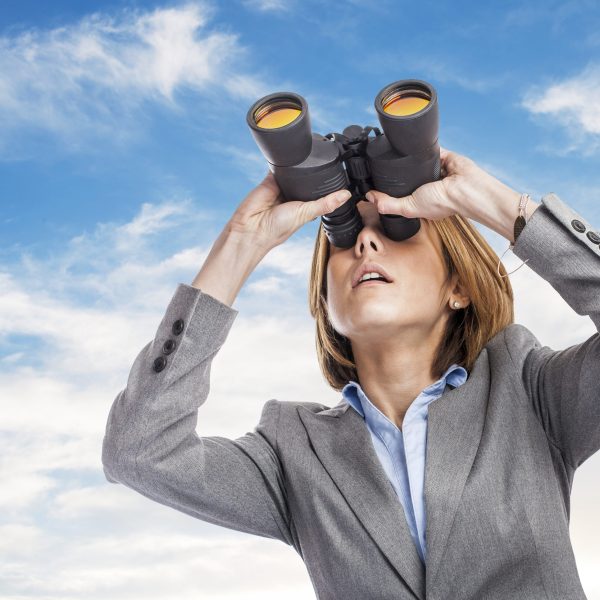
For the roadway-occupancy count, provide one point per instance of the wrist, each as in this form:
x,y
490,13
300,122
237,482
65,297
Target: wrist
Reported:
x,y
230,262
247,240
496,205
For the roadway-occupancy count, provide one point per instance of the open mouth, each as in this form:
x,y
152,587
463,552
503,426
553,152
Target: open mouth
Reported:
x,y
371,282
370,272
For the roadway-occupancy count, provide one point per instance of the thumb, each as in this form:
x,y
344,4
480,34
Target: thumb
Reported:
x,y
323,206
389,205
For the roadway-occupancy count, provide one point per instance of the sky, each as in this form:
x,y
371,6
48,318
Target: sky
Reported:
x,y
124,150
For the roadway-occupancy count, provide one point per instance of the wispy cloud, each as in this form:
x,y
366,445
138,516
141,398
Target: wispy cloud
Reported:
x,y
269,5
570,104
98,74
437,68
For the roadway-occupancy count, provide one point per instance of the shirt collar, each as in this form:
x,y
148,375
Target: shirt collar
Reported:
x,y
352,392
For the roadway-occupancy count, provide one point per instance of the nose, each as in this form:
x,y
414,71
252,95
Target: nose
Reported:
x,y
370,238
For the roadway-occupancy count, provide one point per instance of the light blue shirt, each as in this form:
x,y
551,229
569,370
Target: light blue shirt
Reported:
x,y
402,451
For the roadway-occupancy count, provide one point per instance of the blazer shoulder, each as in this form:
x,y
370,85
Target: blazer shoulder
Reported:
x,y
289,408
515,339
291,405
519,341
515,333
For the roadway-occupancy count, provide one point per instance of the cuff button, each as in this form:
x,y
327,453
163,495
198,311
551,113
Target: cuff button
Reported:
x,y
160,363
593,237
177,327
169,346
578,225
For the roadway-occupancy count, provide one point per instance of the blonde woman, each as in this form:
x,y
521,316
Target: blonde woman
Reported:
x,y
445,470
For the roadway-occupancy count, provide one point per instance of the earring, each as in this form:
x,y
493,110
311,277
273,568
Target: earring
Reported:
x,y
456,304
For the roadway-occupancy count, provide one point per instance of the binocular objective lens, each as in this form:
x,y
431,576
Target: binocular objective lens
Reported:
x,y
401,106
274,116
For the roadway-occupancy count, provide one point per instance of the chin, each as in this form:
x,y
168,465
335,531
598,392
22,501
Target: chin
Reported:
x,y
376,325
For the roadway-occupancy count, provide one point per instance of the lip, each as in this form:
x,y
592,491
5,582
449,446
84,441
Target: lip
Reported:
x,y
370,267
371,283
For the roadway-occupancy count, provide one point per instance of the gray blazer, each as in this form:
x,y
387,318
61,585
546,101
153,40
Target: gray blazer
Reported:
x,y
502,450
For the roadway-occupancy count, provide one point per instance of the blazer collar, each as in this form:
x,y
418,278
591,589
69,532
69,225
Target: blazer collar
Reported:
x,y
343,444
353,393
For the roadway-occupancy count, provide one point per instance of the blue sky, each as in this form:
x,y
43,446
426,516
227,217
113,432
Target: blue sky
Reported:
x,y
83,147
124,151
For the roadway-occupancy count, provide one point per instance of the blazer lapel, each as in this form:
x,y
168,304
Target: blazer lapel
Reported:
x,y
455,425
343,444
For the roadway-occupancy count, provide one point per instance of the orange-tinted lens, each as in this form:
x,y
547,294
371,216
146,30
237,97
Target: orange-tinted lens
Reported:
x,y
405,105
278,118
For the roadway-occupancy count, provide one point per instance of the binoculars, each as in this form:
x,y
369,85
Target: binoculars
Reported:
x,y
308,165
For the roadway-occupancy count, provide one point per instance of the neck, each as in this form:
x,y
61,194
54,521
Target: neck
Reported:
x,y
394,371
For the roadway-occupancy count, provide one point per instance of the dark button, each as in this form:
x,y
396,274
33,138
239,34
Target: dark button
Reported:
x,y
160,363
593,237
578,225
177,327
169,346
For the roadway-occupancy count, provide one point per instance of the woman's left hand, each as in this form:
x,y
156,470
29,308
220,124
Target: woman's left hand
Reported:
x,y
461,179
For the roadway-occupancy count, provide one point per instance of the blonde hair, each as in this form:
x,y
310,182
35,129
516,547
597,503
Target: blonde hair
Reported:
x,y
466,253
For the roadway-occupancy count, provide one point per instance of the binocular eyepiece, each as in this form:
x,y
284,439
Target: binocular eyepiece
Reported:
x,y
307,165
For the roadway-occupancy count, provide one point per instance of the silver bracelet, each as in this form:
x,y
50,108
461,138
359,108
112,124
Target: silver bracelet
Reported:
x,y
520,223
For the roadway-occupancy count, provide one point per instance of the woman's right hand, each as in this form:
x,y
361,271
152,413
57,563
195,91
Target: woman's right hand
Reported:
x,y
464,188
269,221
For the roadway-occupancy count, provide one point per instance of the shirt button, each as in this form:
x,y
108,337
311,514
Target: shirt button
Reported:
x,y
593,237
578,225
169,346
177,327
160,363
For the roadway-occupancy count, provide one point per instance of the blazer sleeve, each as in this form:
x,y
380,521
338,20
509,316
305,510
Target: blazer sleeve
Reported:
x,y
151,446
563,385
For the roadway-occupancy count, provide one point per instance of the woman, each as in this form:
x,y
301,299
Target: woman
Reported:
x,y
445,470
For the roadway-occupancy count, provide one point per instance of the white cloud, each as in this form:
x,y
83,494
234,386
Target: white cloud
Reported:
x,y
570,105
151,219
251,162
268,5
144,564
436,69
95,76
18,540
24,489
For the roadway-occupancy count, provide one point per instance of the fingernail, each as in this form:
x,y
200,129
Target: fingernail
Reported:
x,y
369,196
343,196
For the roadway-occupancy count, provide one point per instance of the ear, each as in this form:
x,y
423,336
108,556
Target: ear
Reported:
x,y
459,292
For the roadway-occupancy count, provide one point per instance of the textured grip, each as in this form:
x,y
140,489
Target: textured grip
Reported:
x,y
436,170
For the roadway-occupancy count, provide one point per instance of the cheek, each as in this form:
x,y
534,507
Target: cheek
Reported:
x,y
332,287
334,275
419,274
335,297
426,286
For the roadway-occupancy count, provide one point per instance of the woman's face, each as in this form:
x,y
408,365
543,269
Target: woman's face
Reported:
x,y
415,300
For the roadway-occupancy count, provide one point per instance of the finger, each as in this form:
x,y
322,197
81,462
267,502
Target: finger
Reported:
x,y
389,205
267,191
446,156
323,206
270,182
447,162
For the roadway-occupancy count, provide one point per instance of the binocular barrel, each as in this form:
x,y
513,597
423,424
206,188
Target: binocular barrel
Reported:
x,y
307,165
